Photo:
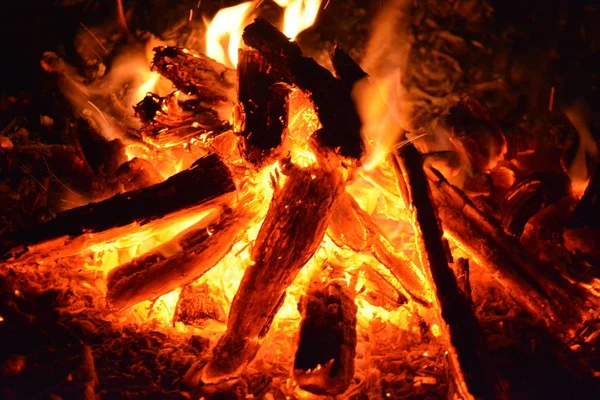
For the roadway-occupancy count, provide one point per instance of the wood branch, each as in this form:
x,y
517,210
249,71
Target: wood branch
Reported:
x,y
333,103
539,288
290,234
195,73
196,306
353,227
159,271
264,105
207,179
530,196
324,362
470,366
382,289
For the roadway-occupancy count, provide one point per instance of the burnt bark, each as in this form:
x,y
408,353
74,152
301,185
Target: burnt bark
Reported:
x,y
290,234
196,306
324,362
470,366
159,271
264,102
331,96
207,179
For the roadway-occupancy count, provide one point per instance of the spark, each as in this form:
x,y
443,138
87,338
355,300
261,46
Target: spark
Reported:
x,y
100,112
93,37
33,177
191,15
326,4
551,103
121,13
52,175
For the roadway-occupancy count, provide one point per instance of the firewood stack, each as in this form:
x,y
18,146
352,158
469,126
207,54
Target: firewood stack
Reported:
x,y
308,203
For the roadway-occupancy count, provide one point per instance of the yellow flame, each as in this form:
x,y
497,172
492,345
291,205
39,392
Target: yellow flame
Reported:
x,y
225,32
299,15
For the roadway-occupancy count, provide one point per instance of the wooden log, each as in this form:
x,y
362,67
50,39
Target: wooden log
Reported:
x,y
530,196
263,100
587,212
470,367
382,289
324,362
333,103
538,288
195,73
463,273
290,234
207,179
352,227
162,270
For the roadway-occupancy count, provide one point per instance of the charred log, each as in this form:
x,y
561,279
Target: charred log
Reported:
x,y
463,272
195,74
471,368
291,232
529,197
324,362
331,96
544,294
156,273
207,179
264,103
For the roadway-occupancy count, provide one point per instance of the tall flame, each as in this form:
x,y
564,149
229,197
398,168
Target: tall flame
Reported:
x,y
225,32
299,15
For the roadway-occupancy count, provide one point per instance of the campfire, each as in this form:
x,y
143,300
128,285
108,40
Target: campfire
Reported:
x,y
249,222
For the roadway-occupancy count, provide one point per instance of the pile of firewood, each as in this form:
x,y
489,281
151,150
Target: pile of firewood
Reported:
x,y
311,203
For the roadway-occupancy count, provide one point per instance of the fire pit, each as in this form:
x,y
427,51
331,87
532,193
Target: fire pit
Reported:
x,y
224,211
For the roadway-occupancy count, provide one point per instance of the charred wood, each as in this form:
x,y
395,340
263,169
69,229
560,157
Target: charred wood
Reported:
x,y
324,362
290,234
529,196
195,74
463,273
345,67
264,102
137,173
540,289
207,179
331,96
159,271
470,366
382,289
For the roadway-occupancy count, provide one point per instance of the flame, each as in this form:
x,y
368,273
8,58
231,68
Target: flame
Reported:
x,y
298,16
588,148
225,32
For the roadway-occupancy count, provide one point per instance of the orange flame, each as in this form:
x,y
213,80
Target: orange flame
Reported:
x,y
225,32
299,15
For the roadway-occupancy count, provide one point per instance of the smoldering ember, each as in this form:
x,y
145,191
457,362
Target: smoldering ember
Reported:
x,y
300,199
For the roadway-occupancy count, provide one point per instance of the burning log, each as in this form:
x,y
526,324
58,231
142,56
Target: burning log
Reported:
x,y
156,273
352,227
264,103
195,74
290,234
333,103
345,67
541,290
531,195
471,369
207,179
324,362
